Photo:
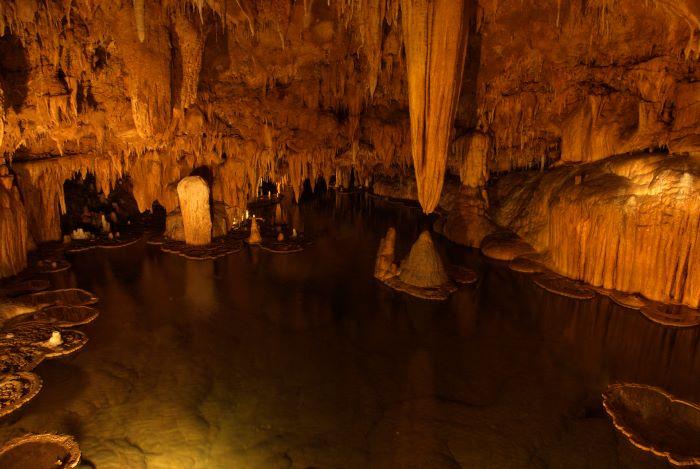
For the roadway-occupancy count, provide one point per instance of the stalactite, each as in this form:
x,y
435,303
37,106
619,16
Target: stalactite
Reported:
x,y
140,18
435,38
191,46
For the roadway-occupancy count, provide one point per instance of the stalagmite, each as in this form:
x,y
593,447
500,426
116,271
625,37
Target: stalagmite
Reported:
x,y
435,38
423,266
254,237
385,267
193,193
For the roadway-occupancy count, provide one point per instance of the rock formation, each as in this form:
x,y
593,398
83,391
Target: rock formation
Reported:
x,y
193,193
384,267
254,237
13,227
423,266
174,228
431,100
435,38
627,223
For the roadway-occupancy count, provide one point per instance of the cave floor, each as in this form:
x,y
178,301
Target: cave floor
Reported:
x,y
261,360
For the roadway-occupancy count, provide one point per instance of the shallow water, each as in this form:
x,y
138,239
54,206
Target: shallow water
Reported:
x,y
303,360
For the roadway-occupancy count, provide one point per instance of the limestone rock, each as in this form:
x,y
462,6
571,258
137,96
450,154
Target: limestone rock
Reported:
x,y
173,226
423,266
384,266
468,223
255,237
627,223
13,231
193,193
435,38
221,223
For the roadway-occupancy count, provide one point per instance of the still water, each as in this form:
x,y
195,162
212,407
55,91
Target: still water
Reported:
x,y
259,360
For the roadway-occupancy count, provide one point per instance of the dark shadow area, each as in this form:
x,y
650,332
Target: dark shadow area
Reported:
x,y
86,205
14,71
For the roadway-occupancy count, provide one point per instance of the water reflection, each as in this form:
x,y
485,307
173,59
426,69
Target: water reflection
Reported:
x,y
262,360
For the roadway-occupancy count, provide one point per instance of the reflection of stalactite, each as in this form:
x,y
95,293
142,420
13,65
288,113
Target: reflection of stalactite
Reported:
x,y
435,37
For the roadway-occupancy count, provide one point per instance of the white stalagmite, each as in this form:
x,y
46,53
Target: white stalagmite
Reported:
x,y
435,38
193,193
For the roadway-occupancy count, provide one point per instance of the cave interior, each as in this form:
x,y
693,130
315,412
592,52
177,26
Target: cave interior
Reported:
x,y
349,233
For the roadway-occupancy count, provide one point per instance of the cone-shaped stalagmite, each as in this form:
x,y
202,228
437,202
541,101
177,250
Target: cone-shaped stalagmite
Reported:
x,y
193,193
255,237
423,266
435,38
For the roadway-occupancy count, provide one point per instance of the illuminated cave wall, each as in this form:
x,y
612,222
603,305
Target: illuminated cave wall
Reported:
x,y
297,89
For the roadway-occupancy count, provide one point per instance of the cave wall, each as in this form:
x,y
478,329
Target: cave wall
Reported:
x,y
294,90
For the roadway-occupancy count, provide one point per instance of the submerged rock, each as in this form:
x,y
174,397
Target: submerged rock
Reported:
x,y
655,421
40,452
16,389
563,286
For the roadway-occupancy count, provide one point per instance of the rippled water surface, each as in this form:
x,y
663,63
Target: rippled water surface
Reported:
x,y
261,360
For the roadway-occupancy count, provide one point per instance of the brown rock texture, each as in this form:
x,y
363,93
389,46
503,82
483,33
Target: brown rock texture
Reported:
x,y
13,228
193,193
626,223
410,95
423,266
435,38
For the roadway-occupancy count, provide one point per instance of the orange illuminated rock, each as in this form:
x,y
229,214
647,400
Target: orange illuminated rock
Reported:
x,y
13,229
627,223
193,193
504,246
435,39
423,266
255,237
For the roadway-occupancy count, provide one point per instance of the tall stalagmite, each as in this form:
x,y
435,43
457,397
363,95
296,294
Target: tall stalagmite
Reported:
x,y
193,193
435,37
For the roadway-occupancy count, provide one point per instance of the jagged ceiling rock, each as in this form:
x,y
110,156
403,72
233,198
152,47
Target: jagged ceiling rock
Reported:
x,y
300,89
